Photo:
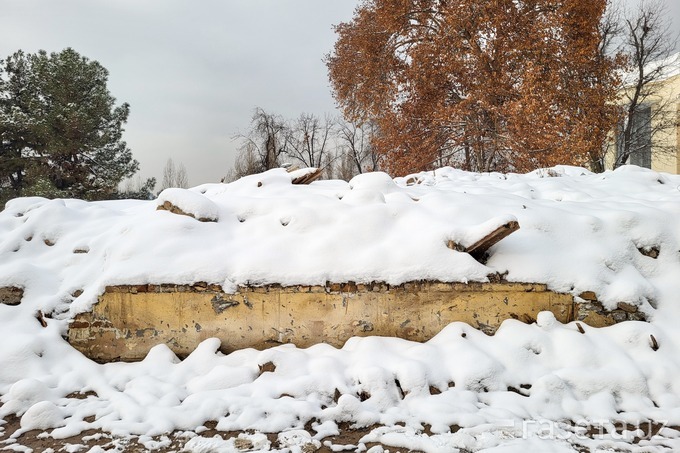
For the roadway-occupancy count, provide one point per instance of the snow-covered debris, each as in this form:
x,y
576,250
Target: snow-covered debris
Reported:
x,y
216,444
186,202
304,175
615,234
579,232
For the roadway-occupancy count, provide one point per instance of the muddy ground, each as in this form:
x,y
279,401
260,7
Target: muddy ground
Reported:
x,y
40,441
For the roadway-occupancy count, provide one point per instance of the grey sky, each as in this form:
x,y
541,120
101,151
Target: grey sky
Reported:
x,y
194,71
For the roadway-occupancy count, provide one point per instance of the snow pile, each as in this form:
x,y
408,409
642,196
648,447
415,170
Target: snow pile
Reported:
x,y
188,203
579,232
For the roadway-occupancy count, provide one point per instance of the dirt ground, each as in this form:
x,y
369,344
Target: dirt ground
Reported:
x,y
40,441
348,440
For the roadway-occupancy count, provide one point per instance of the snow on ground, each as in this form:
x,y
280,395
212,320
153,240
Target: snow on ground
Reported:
x,y
537,387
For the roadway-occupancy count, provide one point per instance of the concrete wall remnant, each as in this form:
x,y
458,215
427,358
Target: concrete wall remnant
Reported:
x,y
129,320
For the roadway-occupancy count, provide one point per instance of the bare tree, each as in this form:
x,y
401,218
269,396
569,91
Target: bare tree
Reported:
x,y
265,141
182,177
610,48
309,139
648,44
174,176
343,149
356,149
247,163
168,174
343,167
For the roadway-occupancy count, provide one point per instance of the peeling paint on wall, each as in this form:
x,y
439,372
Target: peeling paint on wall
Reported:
x,y
130,320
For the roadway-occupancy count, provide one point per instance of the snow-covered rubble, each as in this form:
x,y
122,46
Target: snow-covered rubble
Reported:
x,y
579,232
186,202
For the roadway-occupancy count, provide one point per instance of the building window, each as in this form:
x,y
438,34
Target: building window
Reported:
x,y
639,149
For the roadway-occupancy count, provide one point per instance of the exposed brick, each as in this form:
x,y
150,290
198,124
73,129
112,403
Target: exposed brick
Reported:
x,y
628,308
588,295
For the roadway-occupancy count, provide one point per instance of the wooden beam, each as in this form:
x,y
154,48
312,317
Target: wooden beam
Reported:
x,y
479,248
312,175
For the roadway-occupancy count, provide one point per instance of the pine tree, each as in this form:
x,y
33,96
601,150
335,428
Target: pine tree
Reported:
x,y
18,124
60,128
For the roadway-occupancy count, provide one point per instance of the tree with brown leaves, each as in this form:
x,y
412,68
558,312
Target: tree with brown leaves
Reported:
x,y
492,85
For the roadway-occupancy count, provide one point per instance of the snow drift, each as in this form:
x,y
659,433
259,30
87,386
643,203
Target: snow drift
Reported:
x,y
579,232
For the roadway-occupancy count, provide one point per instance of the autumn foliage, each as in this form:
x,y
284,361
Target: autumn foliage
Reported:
x,y
483,85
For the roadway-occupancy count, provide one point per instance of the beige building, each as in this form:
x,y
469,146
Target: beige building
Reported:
x,y
656,124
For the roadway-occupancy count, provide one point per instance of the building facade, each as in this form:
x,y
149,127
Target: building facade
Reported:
x,y
654,133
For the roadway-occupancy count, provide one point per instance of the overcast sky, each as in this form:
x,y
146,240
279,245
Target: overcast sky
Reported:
x,y
193,72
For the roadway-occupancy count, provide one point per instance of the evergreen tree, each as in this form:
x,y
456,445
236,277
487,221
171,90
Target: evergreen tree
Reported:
x,y
60,129
136,189
18,124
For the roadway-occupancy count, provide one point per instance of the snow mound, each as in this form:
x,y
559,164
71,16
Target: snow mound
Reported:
x,y
216,444
42,415
615,234
578,232
189,203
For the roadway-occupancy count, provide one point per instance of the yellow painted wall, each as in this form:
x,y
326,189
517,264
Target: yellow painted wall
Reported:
x,y
668,94
669,89
128,321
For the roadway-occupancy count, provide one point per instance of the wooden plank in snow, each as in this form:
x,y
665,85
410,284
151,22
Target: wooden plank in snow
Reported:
x,y
479,248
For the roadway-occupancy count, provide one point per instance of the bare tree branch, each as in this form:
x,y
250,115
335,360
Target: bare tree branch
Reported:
x,y
648,44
